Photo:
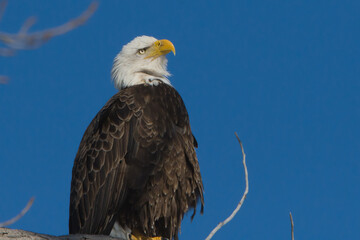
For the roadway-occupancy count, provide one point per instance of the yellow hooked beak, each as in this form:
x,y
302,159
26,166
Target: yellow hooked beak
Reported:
x,y
160,47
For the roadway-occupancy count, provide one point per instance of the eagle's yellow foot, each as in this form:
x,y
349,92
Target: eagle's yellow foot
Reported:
x,y
140,237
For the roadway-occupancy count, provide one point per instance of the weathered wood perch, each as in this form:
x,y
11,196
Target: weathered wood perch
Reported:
x,y
7,234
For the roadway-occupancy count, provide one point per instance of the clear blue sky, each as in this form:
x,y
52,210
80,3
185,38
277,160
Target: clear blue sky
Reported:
x,y
283,74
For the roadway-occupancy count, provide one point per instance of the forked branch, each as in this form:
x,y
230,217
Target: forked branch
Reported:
x,y
24,39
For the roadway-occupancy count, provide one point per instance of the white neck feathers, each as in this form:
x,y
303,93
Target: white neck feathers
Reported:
x,y
127,73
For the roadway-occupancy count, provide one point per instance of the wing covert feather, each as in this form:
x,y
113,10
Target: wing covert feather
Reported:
x,y
98,186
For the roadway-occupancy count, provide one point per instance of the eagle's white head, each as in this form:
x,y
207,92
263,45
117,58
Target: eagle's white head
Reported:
x,y
142,61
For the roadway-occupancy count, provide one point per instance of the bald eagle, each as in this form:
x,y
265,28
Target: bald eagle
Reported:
x,y
136,168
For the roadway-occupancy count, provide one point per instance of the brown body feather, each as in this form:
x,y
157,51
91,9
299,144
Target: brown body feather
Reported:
x,y
137,165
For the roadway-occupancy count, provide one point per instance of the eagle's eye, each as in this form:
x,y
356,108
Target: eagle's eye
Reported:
x,y
141,51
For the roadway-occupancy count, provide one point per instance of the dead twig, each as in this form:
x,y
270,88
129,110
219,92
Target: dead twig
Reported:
x,y
20,215
221,224
2,8
292,227
4,79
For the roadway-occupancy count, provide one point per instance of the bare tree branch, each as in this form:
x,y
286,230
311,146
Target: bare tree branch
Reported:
x,y
11,234
20,215
25,40
292,227
221,224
